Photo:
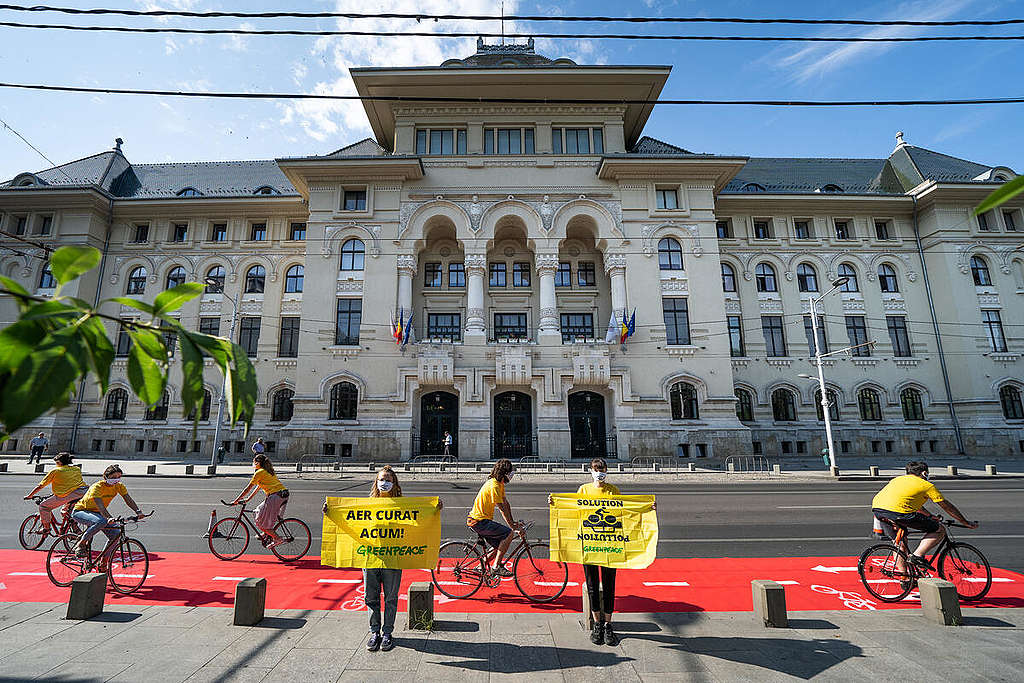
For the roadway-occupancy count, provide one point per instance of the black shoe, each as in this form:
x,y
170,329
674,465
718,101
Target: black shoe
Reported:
x,y
597,633
609,635
921,562
373,644
386,643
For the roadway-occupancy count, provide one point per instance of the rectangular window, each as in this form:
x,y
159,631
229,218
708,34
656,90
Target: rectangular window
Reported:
x,y
577,140
19,224
124,343
724,230
328,449
288,347
983,222
510,326
857,332
755,447
677,321
140,445
350,313
803,230
736,349
528,146
787,446
444,326
170,340
196,446
809,331
141,233
994,328
110,444
96,444
556,140
432,275
258,232
586,274
1011,225
844,446
563,276
355,200
667,198
774,335
456,275
249,336
520,274
181,446
576,326
460,142
154,445
444,141
508,141
421,142
843,230
497,274
897,325
598,135
297,232
179,232
761,230
210,326
45,225
882,230
219,232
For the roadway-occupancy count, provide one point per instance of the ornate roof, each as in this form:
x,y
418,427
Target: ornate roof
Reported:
x,y
510,55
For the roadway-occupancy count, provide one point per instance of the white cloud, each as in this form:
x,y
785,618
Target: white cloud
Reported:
x,y
964,125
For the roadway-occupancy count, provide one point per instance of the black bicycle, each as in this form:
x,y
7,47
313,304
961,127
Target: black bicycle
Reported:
x,y
229,537
888,574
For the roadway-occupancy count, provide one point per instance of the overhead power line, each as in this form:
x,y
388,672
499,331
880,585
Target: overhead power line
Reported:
x,y
510,17
477,34
508,100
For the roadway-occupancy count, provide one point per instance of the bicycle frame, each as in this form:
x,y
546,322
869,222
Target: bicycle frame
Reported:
x,y
247,520
900,542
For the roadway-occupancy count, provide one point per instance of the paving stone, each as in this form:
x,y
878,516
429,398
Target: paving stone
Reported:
x,y
405,657
29,634
311,666
257,648
660,653
678,677
37,659
80,673
744,665
210,674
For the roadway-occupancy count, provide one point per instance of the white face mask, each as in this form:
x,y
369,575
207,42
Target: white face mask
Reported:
x,y
508,477
113,481
598,476
383,485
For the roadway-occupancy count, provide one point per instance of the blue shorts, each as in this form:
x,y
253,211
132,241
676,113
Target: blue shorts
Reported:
x,y
491,531
911,520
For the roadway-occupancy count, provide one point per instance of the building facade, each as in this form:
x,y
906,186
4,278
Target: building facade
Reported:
x,y
511,241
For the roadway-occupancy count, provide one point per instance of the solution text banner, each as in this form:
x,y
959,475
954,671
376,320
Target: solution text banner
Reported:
x,y
374,533
609,531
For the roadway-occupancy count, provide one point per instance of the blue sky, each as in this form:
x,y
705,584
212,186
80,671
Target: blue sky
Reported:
x,y
69,126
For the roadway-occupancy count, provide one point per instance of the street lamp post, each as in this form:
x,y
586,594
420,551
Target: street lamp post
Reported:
x,y
223,387
836,284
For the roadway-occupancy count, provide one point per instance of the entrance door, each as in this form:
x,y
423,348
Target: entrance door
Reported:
x,y
439,412
512,435
586,425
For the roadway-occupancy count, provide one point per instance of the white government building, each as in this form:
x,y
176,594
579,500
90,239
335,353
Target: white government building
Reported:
x,y
511,233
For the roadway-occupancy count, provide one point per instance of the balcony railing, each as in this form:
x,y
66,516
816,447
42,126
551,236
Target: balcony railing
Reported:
x,y
513,447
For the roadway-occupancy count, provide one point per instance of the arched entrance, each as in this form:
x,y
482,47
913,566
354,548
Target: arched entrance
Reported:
x,y
439,412
587,436
512,431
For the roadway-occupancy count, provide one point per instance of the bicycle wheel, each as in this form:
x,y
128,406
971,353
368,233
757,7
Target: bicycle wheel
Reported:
x,y
966,568
71,532
31,534
536,576
229,538
296,539
128,566
63,565
460,569
886,572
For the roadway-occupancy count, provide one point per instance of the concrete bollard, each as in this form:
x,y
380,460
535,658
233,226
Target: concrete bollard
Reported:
x,y
657,467
190,469
479,468
691,467
421,605
373,466
990,470
834,471
873,471
150,469
211,469
87,593
776,468
551,467
440,468
3,467
951,470
40,467
731,467
250,601
940,602
406,467
770,603
619,467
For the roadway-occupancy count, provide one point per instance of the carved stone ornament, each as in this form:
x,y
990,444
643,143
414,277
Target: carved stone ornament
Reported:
x,y
406,263
332,236
689,232
512,364
590,365
475,264
349,286
614,261
546,263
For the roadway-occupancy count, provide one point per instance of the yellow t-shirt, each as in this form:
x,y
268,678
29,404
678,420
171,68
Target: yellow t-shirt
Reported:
x,y
64,479
491,493
266,481
101,490
906,493
592,489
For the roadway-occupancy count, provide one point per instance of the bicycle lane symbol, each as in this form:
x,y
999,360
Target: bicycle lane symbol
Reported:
x,y
851,599
358,602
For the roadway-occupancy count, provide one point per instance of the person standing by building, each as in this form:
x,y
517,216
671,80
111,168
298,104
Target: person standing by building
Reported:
x,y
67,484
447,441
259,447
39,445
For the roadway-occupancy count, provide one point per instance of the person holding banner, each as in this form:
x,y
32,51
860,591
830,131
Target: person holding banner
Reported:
x,y
481,517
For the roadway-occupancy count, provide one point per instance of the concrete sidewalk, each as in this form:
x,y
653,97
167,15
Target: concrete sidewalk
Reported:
x,y
157,644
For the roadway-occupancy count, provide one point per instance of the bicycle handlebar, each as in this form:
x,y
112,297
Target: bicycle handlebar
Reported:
x,y
230,504
133,518
950,522
39,499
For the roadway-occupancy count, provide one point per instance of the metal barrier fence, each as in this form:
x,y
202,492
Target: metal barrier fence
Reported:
x,y
318,463
652,460
757,464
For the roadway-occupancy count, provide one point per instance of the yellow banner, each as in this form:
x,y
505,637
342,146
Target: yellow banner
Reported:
x,y
610,531
374,533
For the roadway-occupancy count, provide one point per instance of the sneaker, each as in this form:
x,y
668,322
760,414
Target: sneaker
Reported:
x,y
921,562
386,643
500,571
597,633
609,636
373,644
274,544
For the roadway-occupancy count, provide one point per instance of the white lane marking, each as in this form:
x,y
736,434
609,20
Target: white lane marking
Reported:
x,y
554,583
815,507
340,581
27,574
229,578
132,576
994,580
665,583
788,583
833,570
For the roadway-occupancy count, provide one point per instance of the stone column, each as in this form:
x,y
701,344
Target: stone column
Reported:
x,y
615,266
406,272
547,265
476,268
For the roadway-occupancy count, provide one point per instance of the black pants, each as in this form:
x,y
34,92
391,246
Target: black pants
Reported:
x,y
37,453
602,598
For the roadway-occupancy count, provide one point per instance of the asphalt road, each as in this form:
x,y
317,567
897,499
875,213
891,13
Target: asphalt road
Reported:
x,y
755,519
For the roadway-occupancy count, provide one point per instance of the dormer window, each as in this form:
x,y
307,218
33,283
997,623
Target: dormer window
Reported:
x,y
508,141
266,189
753,187
440,141
577,140
189,192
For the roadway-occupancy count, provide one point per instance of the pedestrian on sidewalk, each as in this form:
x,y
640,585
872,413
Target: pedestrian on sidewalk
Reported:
x,y
39,445
67,485
447,441
268,513
258,447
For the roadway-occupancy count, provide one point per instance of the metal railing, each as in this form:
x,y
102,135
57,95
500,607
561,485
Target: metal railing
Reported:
x,y
607,448
513,447
652,460
317,462
757,464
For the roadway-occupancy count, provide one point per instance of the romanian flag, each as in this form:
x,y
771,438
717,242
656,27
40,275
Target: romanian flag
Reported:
x,y
396,328
627,329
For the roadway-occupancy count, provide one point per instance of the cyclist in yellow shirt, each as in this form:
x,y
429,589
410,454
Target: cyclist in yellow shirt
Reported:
x,y
67,484
902,501
92,511
269,512
481,517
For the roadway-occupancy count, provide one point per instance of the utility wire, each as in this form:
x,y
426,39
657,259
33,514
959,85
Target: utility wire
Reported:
x,y
510,17
35,149
509,100
477,34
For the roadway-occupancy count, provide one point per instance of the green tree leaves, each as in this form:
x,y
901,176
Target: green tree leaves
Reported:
x,y
67,263
1005,193
172,299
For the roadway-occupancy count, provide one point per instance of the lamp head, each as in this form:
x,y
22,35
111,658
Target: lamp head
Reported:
x,y
840,281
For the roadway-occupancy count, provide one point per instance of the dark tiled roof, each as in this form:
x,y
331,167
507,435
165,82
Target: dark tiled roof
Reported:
x,y
649,145
798,176
364,148
936,166
98,170
210,178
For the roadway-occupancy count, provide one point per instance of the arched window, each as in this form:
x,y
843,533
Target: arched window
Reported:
x,y
344,397
670,254
683,399
117,405
204,413
831,188
189,192
753,187
281,407
979,271
293,279
887,278
352,255
46,278
764,275
744,405
847,271
728,278
175,277
807,278
783,405
870,405
1009,396
255,280
158,411
913,408
215,280
137,281
266,189
833,405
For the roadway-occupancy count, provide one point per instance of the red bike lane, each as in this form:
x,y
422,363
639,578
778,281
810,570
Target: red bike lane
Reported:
x,y
668,585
